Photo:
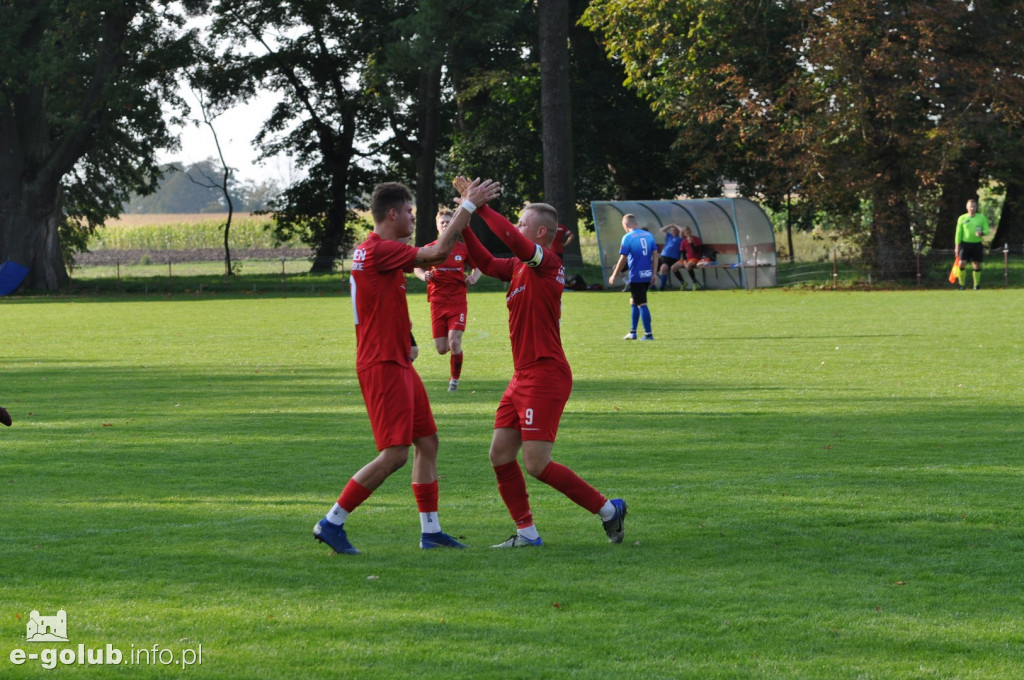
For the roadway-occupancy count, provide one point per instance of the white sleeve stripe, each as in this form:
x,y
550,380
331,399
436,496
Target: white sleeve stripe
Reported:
x,y
355,307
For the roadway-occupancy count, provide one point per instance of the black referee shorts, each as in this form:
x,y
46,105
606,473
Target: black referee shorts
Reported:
x,y
972,252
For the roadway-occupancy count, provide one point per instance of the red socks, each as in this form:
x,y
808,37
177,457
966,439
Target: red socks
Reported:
x,y
572,485
426,496
353,495
512,487
456,364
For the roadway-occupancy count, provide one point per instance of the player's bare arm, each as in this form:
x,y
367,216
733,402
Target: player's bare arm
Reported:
x,y
615,271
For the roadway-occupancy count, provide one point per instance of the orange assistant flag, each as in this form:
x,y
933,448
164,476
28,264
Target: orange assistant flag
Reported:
x,y
954,273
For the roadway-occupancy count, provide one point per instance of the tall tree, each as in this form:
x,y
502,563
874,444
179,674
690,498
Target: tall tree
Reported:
x,y
310,53
81,119
863,105
411,76
556,108
619,149
220,182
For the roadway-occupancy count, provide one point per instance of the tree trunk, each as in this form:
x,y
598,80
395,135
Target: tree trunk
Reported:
x,y
1011,220
429,103
329,248
231,211
556,121
338,150
891,249
29,217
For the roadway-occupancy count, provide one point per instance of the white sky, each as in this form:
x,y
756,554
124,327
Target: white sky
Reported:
x,y
236,129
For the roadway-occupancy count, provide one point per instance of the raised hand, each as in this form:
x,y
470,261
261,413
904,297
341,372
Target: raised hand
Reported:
x,y
461,184
480,192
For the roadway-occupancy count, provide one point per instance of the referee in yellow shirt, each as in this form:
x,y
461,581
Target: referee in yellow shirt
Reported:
x,y
971,228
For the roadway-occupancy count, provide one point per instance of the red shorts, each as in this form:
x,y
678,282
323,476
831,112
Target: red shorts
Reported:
x,y
533,402
397,404
447,317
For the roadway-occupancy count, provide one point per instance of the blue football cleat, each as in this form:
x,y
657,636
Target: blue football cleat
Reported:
x,y
334,536
439,540
613,527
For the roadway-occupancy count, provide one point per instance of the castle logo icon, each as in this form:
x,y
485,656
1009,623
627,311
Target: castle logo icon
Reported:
x,y
47,628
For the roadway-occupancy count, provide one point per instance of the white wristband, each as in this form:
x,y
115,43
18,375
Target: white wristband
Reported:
x,y
469,205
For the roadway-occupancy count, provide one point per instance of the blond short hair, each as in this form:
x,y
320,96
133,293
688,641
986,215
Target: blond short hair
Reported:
x,y
548,214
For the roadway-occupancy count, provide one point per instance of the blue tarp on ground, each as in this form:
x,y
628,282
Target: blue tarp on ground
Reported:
x,y
11,276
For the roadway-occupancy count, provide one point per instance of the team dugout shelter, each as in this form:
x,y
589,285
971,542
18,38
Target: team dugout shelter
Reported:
x,y
737,228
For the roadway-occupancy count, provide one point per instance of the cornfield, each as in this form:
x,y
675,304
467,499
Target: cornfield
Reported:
x,y
183,232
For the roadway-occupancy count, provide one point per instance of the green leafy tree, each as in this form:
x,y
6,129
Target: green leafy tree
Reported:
x,y
878,108
311,54
81,119
619,149
412,77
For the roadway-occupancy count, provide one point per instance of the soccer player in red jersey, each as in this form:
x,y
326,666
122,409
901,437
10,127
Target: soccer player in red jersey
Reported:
x,y
446,290
530,410
396,400
563,237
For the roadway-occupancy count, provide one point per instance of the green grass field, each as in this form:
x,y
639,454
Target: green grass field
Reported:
x,y
821,485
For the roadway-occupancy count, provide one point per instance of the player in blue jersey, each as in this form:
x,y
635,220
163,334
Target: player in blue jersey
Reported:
x,y
639,253
669,255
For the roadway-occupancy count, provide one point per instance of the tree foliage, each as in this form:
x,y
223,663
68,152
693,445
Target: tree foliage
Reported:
x,y
310,53
877,105
81,118
620,150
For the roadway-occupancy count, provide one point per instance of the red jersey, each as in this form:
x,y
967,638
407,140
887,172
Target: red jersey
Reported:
x,y
448,284
558,245
383,329
534,297
691,250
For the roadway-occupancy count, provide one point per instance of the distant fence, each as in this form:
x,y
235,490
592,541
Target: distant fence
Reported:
x,y
164,270
1003,267
170,270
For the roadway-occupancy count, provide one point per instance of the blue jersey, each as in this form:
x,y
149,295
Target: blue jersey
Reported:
x,y
639,247
672,246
